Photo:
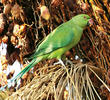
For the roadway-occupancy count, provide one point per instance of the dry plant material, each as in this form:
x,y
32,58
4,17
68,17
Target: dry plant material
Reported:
x,y
94,47
45,12
7,9
56,3
17,12
22,37
108,77
4,62
0,40
10,75
3,95
13,56
14,40
3,1
11,1
19,30
5,39
53,84
84,6
70,4
66,94
3,79
16,29
96,8
2,22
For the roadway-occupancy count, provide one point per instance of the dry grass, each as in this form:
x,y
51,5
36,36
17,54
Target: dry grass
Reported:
x,y
54,80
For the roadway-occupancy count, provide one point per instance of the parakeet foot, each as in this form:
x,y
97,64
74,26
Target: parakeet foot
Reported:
x,y
59,62
56,63
69,62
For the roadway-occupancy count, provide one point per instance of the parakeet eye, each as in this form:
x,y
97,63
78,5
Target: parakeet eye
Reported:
x,y
85,17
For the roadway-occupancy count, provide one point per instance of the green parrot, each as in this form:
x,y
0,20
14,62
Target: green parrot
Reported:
x,y
60,40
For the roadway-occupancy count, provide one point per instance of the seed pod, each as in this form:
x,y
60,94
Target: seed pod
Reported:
x,y
45,12
7,9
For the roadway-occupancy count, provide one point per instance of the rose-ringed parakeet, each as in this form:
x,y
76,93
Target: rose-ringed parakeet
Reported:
x,y
60,40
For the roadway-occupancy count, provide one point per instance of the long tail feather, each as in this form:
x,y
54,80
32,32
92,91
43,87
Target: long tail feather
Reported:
x,y
26,69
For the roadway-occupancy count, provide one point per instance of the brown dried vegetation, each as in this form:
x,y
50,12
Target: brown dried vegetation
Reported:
x,y
23,25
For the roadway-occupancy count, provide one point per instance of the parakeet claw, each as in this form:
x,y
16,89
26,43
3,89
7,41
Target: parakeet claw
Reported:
x,y
56,63
69,62
59,62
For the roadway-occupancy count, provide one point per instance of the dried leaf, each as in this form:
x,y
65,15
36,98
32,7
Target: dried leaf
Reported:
x,y
7,9
45,12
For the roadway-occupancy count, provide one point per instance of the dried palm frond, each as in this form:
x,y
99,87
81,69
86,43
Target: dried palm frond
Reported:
x,y
89,79
54,80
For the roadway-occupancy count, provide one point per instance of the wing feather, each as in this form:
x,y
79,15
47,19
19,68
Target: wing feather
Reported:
x,y
60,37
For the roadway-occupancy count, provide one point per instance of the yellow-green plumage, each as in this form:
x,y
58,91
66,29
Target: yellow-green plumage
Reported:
x,y
60,40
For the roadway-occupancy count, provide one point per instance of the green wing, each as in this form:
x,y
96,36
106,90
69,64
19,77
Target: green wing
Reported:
x,y
58,38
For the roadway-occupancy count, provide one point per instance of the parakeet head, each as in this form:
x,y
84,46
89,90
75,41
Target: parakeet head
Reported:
x,y
82,20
